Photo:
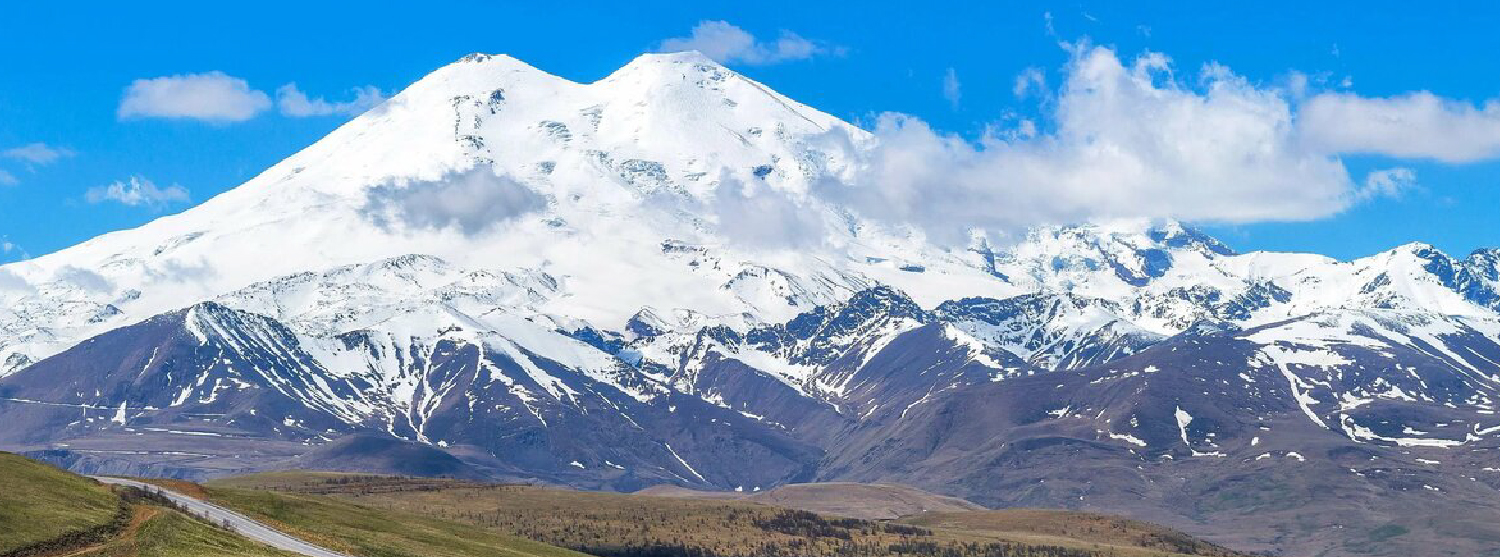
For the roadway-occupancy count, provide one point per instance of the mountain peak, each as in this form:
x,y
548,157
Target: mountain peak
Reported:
x,y
674,58
1168,233
479,72
670,67
1422,249
490,62
1420,252
480,57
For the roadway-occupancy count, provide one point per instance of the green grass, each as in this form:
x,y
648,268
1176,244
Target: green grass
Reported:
x,y
368,532
1387,532
172,534
39,502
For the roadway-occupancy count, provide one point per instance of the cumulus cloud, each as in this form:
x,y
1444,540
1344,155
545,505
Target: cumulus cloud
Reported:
x,y
83,278
1122,140
472,202
1390,182
221,98
138,192
1415,125
212,97
11,282
951,86
293,102
1141,138
754,213
39,154
729,44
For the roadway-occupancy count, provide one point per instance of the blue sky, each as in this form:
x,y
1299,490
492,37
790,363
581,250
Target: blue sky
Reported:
x,y
66,72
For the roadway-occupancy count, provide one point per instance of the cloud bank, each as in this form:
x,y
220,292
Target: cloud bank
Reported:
x,y
11,282
1126,140
1417,125
471,202
1141,139
729,44
753,213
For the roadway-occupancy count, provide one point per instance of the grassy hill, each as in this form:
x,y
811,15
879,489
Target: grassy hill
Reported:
x,y
161,532
633,525
48,511
52,512
40,503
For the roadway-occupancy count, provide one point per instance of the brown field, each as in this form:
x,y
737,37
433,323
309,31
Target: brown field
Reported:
x,y
1042,525
632,525
852,500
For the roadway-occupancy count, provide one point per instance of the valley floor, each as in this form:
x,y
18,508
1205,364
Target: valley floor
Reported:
x,y
629,525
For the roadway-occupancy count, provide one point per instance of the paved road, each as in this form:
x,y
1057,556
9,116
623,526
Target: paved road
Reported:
x,y
242,525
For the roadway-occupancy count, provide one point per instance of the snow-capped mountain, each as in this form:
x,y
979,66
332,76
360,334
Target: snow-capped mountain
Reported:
x,y
635,281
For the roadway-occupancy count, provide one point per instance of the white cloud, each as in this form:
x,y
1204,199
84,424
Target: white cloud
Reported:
x,y
8,179
1390,182
1417,125
9,249
1121,140
212,97
138,192
759,215
83,278
951,88
293,102
729,44
37,153
472,202
12,282
1030,80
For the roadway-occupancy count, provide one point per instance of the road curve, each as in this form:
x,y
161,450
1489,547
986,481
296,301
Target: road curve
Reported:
x,y
241,524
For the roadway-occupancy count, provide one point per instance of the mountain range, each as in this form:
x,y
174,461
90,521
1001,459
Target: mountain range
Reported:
x,y
499,273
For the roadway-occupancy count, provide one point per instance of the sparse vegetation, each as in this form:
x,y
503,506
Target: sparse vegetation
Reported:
x,y
46,511
1387,532
372,532
1040,525
622,525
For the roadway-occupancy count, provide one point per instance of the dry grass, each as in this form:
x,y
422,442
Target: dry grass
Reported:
x,y
625,525
357,529
1042,525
